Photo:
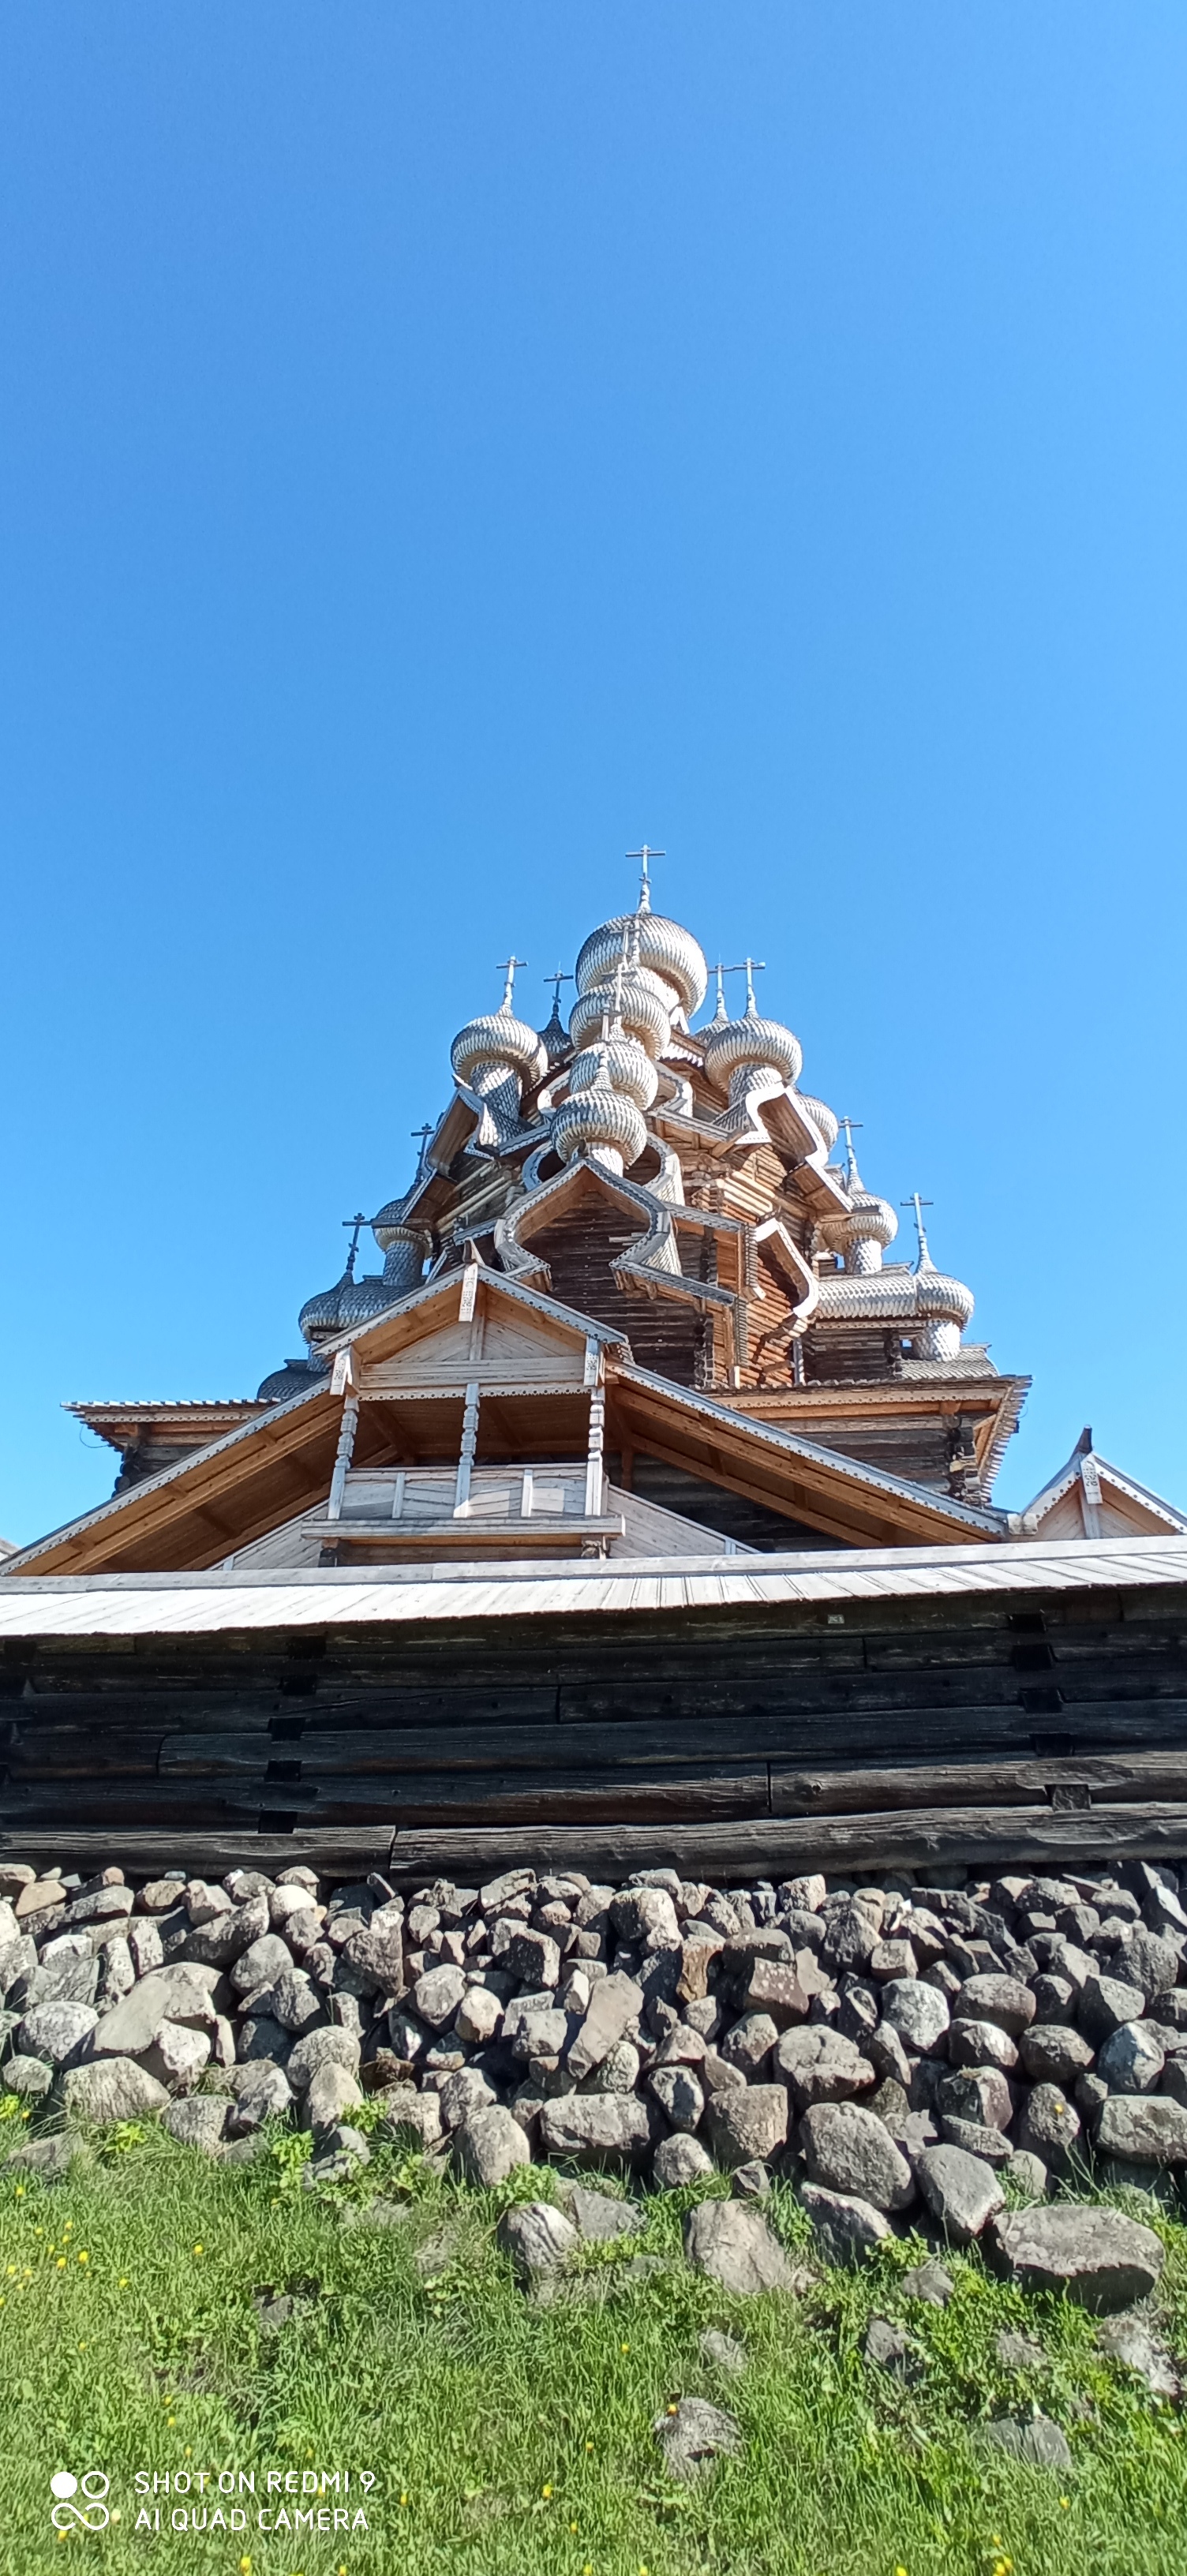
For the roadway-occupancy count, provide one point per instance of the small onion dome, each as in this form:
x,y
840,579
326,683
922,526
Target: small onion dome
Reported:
x,y
494,1045
671,952
295,1378
599,1121
554,1036
862,1234
628,1067
941,1299
822,1117
747,1045
638,998
349,1301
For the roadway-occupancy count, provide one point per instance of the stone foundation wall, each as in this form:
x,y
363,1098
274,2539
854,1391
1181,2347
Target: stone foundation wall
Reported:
x,y
895,2047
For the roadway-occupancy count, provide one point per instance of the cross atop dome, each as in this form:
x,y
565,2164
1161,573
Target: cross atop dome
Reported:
x,y
645,857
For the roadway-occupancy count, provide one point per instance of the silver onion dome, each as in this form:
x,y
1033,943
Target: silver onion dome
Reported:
x,y
494,1044
863,1233
642,1002
627,1064
597,1121
653,942
735,1049
825,1121
295,1378
349,1301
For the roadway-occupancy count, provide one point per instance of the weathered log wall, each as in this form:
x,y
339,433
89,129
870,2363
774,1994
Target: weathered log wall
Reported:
x,y
1006,1717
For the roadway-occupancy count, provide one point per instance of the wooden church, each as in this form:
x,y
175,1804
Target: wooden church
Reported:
x,y
639,1508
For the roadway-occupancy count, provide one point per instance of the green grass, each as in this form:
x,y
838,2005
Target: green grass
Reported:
x,y
508,2439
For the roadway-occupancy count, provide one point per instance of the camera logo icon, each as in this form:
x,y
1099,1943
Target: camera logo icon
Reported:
x,y
92,2514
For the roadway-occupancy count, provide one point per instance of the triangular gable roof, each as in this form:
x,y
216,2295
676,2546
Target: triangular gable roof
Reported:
x,y
270,1468
1087,1470
834,1493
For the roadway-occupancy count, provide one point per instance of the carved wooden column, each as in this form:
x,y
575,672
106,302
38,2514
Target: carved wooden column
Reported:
x,y
465,1464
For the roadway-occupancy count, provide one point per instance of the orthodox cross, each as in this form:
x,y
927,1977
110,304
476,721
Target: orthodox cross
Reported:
x,y
357,1223
424,1134
749,967
508,969
921,1231
645,857
847,1127
556,981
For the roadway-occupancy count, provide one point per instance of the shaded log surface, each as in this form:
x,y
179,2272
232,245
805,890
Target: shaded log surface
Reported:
x,y
692,1720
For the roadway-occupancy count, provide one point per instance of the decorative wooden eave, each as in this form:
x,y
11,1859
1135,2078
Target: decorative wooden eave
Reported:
x,y
456,1290
841,1497
196,1421
990,1403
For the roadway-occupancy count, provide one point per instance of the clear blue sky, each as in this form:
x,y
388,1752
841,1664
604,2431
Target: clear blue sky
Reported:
x,y
441,447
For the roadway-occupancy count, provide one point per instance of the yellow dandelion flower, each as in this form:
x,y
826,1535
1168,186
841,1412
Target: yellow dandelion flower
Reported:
x,y
171,2421
84,2257
572,2526
123,2281
624,2347
589,2446
199,2249
20,2191
545,2491
404,2495
60,2265
245,2567
1065,2502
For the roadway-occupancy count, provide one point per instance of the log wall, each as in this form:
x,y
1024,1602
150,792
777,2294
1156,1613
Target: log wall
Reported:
x,y
810,1728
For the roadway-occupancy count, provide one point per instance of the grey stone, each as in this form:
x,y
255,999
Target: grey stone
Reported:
x,y
1034,2439
1143,2128
31,2077
618,2071
886,2347
176,1994
539,2034
678,2160
329,2093
723,2351
317,2048
463,2094
537,2237
1144,1960
1107,2002
1029,2174
979,2093
598,2215
488,2146
1019,2352
731,2243
848,2150
846,2228
294,2001
258,2036
1049,2127
751,2182
748,2043
222,1940
55,2032
746,2122
991,2145
981,2043
691,2433
888,2056
1053,2053
929,2282
413,2115
1130,2342
613,2129
376,1954
1100,2258
916,2010
678,2094
616,2000
103,1904
532,1958
261,2092
479,2016
1132,2058
822,2066
112,2088
1004,2000
66,1975
198,2122
641,1914
49,2158
962,2193
437,1994
260,1964
177,2056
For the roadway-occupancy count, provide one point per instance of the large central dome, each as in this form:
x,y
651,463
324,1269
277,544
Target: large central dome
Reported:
x,y
670,951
